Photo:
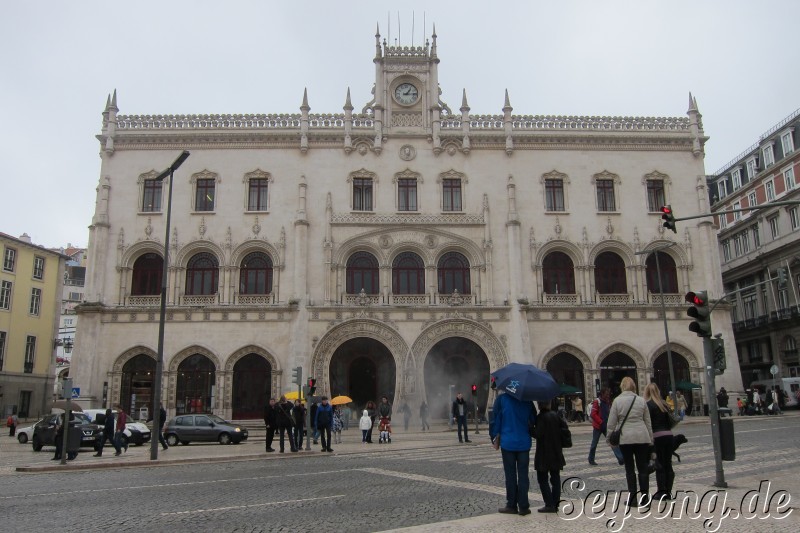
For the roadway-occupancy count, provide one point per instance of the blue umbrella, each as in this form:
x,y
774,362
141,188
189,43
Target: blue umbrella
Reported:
x,y
526,382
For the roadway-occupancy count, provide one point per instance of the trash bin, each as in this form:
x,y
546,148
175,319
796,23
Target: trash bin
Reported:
x,y
144,414
727,442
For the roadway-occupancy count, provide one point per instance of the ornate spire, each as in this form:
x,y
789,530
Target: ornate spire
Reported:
x,y
464,104
692,103
433,43
305,106
347,105
507,105
377,40
114,102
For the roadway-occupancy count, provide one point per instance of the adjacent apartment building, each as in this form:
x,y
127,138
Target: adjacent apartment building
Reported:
x,y
404,248
760,250
31,278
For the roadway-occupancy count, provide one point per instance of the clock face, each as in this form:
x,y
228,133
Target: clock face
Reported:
x,y
406,94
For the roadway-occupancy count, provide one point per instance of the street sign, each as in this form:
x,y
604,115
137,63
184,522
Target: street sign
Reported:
x,y
76,393
773,369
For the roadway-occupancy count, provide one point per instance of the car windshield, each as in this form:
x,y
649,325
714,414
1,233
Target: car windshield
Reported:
x,y
83,418
216,419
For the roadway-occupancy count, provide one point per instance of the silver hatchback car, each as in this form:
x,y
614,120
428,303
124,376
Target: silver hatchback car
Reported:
x,y
203,428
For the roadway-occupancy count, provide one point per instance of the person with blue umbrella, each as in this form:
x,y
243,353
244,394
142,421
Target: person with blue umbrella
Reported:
x,y
510,431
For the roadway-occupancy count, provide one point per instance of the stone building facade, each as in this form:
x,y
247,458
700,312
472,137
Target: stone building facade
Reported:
x,y
404,250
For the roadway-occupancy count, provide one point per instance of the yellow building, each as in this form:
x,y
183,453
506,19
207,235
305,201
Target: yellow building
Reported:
x,y
31,279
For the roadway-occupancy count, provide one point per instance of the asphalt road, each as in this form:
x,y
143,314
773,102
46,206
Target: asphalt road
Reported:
x,y
384,487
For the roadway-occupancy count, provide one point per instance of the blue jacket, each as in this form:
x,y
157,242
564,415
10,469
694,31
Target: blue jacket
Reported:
x,y
326,420
512,418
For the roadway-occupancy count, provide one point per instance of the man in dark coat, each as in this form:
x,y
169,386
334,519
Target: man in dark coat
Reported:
x,y
323,419
299,414
162,419
285,422
271,421
460,416
549,459
108,434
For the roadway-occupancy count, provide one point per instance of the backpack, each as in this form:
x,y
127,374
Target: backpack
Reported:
x,y
10,421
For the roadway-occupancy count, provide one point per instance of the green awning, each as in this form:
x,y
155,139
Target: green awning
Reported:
x,y
686,385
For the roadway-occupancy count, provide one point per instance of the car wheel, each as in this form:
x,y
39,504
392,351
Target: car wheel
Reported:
x,y
224,438
37,444
172,439
22,438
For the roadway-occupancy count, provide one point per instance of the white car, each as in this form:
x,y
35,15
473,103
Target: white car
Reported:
x,y
25,434
135,432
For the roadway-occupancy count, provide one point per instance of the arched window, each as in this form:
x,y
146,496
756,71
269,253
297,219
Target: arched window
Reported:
x,y
195,385
362,273
453,273
255,274
408,274
609,274
558,274
147,272
202,274
669,274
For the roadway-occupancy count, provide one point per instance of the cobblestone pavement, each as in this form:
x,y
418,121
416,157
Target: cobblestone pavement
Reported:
x,y
425,481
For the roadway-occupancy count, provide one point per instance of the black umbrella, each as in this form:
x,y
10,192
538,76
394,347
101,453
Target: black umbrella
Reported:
x,y
526,382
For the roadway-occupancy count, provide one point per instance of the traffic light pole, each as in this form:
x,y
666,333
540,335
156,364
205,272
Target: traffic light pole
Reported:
x,y
713,412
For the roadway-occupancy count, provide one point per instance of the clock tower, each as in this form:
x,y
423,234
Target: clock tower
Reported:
x,y
406,93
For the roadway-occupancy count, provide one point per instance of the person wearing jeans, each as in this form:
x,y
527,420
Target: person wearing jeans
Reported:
x,y
510,433
599,417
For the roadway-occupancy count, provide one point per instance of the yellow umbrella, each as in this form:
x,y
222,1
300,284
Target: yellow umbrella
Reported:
x,y
340,400
293,395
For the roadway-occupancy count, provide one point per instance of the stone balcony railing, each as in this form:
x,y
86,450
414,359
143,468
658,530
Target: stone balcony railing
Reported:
x,y
144,301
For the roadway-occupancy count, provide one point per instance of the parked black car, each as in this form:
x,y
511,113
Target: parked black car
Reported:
x,y
44,432
207,428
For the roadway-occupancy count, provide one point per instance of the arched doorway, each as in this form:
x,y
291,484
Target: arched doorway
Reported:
x,y
251,386
567,369
453,365
195,386
681,368
363,369
613,368
137,384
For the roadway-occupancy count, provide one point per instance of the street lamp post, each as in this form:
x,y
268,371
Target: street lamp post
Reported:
x,y
674,391
169,171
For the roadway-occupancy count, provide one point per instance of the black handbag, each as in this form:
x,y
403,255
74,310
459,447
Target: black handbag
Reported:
x,y
614,436
566,435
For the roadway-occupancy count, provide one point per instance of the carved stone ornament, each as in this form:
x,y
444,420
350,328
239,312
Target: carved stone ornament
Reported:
x,y
407,152
431,241
148,229
385,241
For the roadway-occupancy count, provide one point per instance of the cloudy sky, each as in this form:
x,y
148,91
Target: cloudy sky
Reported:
x,y
59,61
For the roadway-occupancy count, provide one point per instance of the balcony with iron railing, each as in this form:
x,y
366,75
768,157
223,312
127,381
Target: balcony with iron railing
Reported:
x,y
772,319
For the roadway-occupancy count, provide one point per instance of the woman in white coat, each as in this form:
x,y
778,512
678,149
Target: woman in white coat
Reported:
x,y
636,439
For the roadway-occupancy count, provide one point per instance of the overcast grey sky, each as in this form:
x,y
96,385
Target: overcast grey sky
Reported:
x,y
60,60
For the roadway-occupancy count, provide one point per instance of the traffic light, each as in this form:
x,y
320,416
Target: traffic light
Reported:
x,y
718,349
474,390
297,375
493,383
700,313
312,386
782,278
669,218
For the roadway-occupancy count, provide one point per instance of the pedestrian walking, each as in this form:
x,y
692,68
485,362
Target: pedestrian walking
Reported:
x,y
365,424
372,409
347,414
460,416
108,434
313,429
423,415
12,424
548,460
510,433
299,414
406,410
162,419
322,423
119,432
577,409
271,421
598,415
630,415
722,398
681,405
285,423
660,422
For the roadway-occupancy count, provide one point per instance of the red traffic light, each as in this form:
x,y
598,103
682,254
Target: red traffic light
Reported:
x,y
474,390
666,209
312,382
697,298
494,383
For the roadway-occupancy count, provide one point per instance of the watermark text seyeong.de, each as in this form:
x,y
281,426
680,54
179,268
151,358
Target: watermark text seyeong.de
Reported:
x,y
712,507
